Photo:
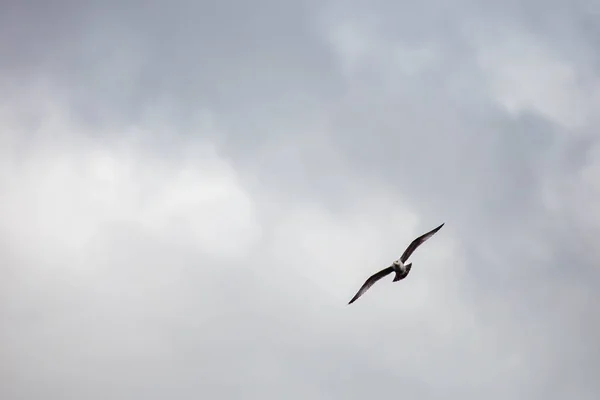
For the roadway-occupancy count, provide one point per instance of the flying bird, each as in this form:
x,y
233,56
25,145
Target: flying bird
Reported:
x,y
399,267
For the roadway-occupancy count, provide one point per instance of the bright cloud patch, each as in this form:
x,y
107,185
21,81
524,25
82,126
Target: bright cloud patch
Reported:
x,y
60,192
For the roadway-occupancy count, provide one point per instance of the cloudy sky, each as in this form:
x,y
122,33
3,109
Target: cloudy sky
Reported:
x,y
191,192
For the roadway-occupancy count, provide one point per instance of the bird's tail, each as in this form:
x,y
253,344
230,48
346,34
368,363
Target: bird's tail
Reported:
x,y
400,275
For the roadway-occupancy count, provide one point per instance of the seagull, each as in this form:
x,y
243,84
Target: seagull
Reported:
x,y
399,267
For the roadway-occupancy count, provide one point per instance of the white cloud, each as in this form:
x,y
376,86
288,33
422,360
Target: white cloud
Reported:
x,y
64,186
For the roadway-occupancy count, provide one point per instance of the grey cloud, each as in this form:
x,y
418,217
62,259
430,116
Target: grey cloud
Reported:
x,y
116,290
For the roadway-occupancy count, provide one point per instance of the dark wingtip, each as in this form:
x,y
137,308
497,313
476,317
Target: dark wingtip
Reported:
x,y
353,300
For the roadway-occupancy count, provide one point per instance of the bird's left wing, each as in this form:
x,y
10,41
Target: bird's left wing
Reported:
x,y
374,278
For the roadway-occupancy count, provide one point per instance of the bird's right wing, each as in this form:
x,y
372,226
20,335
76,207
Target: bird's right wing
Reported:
x,y
417,242
374,278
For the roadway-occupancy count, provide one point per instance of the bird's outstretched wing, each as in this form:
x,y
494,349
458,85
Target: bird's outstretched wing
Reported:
x,y
374,278
417,242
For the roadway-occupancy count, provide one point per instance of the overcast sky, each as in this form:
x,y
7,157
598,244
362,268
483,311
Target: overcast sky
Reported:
x,y
191,192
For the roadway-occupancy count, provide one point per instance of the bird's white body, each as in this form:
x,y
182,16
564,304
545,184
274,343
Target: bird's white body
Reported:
x,y
399,266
